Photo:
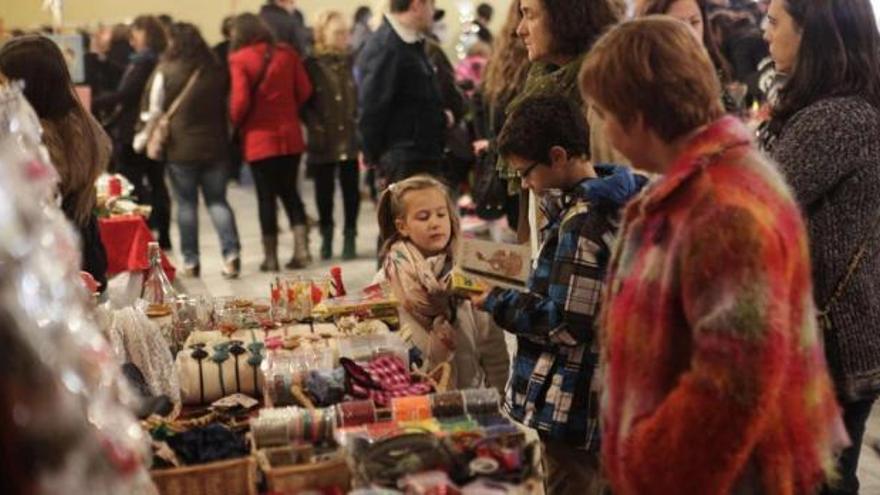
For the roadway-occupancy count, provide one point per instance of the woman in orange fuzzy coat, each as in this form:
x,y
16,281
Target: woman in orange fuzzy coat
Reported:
x,y
715,380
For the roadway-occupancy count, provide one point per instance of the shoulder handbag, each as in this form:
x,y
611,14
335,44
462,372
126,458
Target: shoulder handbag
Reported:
x,y
824,314
158,135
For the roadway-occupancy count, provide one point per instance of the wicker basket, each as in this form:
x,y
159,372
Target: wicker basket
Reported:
x,y
290,480
233,477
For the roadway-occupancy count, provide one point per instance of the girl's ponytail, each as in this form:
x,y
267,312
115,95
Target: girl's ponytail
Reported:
x,y
387,214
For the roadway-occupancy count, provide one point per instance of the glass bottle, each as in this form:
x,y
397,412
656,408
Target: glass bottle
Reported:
x,y
157,290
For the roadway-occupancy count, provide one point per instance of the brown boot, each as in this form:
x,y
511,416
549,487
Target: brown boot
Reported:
x,y
301,257
270,254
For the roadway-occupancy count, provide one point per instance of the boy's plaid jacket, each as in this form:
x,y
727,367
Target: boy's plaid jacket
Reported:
x,y
552,387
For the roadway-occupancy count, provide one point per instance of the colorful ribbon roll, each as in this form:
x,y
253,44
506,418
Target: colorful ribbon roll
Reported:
x,y
481,401
283,426
414,408
447,404
356,413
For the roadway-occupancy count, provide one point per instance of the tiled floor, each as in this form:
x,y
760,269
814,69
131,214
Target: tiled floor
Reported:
x,y
358,273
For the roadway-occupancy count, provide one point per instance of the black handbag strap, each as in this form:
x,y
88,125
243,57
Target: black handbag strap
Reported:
x,y
853,264
267,58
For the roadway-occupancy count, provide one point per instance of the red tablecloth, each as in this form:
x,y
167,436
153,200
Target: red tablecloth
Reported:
x,y
125,239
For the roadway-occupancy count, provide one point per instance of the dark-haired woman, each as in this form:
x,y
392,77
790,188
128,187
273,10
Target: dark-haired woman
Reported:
x,y
694,14
78,146
269,85
148,41
557,35
197,148
824,133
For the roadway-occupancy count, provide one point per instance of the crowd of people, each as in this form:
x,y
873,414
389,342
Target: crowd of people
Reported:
x,y
699,176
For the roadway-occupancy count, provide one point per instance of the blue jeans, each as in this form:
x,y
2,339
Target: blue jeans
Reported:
x,y
211,178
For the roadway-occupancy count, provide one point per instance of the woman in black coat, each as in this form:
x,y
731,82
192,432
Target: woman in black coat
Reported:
x,y
148,41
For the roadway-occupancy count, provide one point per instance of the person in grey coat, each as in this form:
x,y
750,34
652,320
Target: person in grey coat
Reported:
x,y
824,133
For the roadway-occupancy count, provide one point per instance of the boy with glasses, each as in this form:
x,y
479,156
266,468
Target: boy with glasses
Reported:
x,y
552,388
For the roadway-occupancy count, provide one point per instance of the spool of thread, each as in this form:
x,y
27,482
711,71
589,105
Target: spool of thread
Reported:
x,y
481,401
447,404
356,413
282,426
270,431
414,408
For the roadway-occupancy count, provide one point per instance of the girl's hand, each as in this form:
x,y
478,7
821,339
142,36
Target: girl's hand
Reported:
x,y
479,301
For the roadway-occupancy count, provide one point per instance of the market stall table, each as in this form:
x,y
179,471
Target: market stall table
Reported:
x,y
125,239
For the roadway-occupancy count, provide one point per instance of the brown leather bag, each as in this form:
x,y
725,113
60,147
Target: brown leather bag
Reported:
x,y
160,130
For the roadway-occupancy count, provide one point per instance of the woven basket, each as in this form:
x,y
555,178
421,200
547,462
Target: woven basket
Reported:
x,y
233,477
290,480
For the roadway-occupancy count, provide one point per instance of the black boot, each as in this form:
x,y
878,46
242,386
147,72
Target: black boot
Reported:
x,y
270,254
349,246
326,242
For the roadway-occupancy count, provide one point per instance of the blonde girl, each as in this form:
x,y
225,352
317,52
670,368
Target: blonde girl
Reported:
x,y
418,222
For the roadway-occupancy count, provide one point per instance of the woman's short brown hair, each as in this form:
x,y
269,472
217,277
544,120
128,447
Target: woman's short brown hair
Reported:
x,y
653,66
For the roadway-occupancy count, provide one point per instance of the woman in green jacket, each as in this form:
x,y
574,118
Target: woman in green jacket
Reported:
x,y
330,116
557,35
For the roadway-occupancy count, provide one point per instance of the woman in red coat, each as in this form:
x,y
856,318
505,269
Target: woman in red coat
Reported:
x,y
269,85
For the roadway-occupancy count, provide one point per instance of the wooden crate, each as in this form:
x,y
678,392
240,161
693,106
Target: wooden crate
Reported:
x,y
290,480
232,477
